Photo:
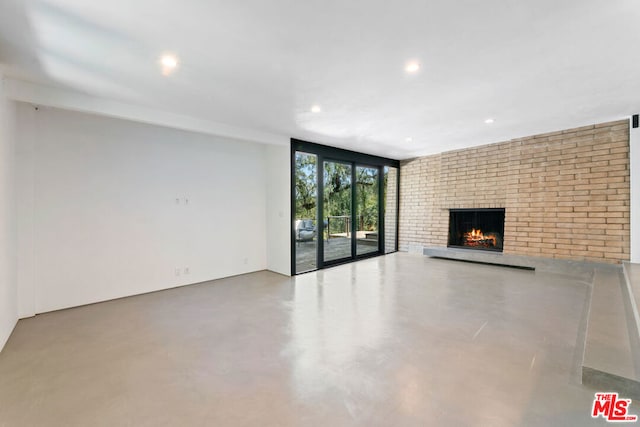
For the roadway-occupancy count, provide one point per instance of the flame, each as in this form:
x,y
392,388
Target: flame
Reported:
x,y
477,238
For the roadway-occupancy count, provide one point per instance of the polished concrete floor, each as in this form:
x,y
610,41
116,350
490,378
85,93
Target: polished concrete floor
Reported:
x,y
400,340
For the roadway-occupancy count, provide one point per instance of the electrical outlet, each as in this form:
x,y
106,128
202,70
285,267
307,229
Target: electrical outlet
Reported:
x,y
177,271
186,270
246,261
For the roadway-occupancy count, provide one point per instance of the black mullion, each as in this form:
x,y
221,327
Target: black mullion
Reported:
x,y
293,210
320,220
397,208
354,212
381,206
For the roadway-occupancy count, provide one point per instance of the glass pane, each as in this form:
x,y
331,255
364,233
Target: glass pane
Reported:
x,y
366,210
306,193
337,210
390,204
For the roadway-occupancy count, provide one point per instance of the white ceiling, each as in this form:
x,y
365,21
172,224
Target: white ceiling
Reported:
x,y
533,66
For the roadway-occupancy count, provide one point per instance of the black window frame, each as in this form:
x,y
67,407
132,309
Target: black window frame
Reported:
x,y
328,153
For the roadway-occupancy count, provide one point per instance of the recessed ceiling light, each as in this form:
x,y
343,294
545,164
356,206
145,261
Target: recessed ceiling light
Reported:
x,y
408,139
412,67
315,109
489,121
169,63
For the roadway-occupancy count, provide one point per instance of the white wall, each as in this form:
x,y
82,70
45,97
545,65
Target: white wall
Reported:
x,y
634,154
8,287
98,211
25,176
279,209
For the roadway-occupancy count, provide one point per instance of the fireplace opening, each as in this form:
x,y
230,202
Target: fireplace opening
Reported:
x,y
476,229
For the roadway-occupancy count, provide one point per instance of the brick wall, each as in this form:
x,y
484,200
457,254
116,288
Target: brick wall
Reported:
x,y
391,210
566,194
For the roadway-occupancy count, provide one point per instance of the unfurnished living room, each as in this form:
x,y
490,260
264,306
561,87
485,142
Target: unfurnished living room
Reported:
x,y
336,213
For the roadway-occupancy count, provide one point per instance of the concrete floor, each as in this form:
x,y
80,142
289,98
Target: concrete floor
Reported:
x,y
400,340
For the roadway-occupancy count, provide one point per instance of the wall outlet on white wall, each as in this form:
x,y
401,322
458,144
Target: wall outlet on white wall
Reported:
x,y
186,270
177,271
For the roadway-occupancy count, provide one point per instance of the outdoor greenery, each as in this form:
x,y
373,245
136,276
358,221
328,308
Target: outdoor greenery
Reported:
x,y
367,198
337,195
306,186
337,192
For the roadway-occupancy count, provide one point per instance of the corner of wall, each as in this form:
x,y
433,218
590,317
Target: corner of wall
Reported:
x,y
8,287
278,208
634,166
26,129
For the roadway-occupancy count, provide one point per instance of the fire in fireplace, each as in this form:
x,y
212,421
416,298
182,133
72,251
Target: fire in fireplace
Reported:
x,y
476,228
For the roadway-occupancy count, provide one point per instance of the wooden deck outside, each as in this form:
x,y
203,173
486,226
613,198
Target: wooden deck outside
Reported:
x,y
335,248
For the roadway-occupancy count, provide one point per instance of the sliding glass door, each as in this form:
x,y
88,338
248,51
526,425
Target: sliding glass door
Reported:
x,y
337,210
367,209
305,211
339,202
